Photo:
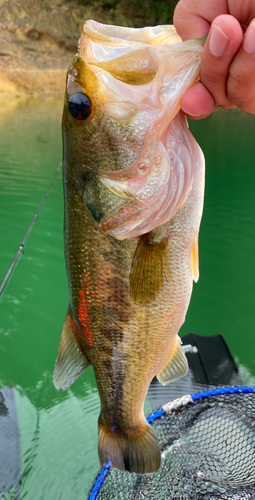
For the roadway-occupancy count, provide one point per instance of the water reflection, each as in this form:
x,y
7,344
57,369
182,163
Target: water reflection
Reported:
x,y
58,444
223,299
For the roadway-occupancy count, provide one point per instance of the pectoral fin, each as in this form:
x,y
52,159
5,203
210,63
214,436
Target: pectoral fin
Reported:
x,y
194,259
71,362
176,367
150,269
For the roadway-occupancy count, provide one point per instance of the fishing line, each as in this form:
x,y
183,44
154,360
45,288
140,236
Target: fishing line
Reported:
x,y
21,247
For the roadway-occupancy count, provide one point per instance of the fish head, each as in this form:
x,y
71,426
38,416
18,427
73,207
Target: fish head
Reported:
x,y
123,91
96,119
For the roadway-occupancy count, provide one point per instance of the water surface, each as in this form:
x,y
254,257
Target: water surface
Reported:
x,y
59,430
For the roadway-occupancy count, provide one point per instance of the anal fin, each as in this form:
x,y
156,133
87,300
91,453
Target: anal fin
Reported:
x,y
71,362
176,367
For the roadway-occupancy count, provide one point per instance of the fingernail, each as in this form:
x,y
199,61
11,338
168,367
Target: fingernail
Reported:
x,y
193,114
218,42
249,41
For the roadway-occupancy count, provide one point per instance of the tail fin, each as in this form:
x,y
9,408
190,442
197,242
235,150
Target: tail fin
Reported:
x,y
137,453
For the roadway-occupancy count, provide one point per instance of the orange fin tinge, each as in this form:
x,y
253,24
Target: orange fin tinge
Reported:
x,y
136,453
194,259
71,361
150,270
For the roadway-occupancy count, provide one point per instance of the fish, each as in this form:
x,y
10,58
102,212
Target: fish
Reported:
x,y
133,178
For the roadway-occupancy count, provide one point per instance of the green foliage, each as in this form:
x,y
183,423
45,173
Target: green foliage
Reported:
x,y
161,12
135,13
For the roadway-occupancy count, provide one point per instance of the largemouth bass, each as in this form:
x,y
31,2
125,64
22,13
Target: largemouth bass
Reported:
x,y
133,186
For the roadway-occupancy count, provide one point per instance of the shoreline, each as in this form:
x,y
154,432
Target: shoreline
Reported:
x,y
38,38
20,84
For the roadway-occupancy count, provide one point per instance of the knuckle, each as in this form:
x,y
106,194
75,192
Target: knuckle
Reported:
x,y
216,85
177,19
210,78
184,14
245,102
239,102
227,105
237,77
181,16
238,88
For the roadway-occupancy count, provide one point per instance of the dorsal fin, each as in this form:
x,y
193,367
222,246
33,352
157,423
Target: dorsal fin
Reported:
x,y
71,362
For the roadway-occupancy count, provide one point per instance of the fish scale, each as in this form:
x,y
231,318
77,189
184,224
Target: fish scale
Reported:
x,y
133,186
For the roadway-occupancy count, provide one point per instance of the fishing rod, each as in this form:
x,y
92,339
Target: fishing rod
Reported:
x,y
21,247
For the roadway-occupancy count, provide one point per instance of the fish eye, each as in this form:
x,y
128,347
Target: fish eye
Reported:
x,y
80,106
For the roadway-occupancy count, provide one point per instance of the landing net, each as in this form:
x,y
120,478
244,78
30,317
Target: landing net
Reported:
x,y
207,444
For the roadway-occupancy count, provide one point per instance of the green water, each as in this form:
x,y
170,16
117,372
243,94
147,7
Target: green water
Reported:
x,y
59,430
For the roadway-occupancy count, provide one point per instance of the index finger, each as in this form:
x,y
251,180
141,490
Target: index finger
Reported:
x,y
192,18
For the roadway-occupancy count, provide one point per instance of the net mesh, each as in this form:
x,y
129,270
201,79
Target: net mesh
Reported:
x,y
207,452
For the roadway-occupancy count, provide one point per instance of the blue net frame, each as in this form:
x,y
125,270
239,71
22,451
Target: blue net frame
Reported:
x,y
106,468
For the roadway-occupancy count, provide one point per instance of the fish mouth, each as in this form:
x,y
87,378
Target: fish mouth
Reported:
x,y
133,67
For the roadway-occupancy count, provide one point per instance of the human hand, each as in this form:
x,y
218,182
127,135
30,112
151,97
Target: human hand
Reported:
x,y
227,75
